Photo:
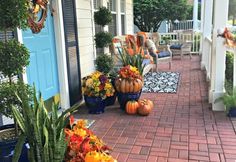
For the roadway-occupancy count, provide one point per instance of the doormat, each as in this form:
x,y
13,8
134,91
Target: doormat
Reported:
x,y
161,82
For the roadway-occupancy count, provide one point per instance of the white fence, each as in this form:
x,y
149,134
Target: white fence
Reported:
x,y
183,25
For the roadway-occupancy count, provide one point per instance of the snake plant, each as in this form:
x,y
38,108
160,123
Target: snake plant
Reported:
x,y
43,131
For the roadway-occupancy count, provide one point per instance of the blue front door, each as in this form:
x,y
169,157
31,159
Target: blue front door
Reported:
x,y
42,70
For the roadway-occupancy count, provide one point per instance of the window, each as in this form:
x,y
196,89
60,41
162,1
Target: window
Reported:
x,y
96,4
112,27
122,10
112,5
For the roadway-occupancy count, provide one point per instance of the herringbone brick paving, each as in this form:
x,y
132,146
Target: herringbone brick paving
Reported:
x,y
181,128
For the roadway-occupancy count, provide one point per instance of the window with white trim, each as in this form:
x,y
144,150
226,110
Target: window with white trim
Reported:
x,y
112,27
122,10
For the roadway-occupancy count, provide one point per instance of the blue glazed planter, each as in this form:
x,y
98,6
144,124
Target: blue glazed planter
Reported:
x,y
232,112
123,98
110,100
96,105
7,148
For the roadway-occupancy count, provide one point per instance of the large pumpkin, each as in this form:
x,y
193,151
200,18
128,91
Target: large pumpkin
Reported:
x,y
128,86
145,106
131,107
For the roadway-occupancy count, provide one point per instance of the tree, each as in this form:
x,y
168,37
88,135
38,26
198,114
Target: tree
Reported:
x,y
232,10
148,14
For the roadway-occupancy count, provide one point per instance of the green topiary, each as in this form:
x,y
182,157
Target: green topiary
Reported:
x,y
104,63
103,39
14,14
103,16
13,58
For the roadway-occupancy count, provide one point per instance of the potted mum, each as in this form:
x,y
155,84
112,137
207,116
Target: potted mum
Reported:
x,y
96,88
128,84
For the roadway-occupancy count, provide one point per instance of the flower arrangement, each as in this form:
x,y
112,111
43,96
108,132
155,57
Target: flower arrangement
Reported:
x,y
98,85
129,72
83,145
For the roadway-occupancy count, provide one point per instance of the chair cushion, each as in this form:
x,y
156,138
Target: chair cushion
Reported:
x,y
146,61
163,54
176,46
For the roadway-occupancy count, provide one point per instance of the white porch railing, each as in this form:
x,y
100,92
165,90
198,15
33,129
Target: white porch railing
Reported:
x,y
208,45
174,37
183,25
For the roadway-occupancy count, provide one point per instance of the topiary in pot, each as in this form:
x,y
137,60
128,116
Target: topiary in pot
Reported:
x,y
104,63
103,16
103,39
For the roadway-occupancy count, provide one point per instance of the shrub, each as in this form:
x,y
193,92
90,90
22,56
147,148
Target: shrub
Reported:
x,y
104,63
229,67
14,13
103,39
13,58
103,16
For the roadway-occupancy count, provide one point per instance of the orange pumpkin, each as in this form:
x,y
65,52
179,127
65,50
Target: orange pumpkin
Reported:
x,y
92,156
128,86
132,107
145,107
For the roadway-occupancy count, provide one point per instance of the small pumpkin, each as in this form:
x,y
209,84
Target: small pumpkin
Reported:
x,y
131,107
145,107
92,156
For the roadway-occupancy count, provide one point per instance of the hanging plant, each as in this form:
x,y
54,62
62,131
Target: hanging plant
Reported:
x,y
14,14
103,16
103,39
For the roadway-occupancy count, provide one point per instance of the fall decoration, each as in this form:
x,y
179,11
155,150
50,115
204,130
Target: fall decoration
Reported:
x,y
83,145
97,85
36,21
132,107
145,107
129,80
230,37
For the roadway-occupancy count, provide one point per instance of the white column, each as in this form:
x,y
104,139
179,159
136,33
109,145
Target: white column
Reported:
x,y
218,53
195,15
206,30
118,18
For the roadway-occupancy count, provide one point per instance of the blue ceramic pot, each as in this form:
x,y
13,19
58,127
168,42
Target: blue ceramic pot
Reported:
x,y
110,100
7,148
96,105
123,98
232,112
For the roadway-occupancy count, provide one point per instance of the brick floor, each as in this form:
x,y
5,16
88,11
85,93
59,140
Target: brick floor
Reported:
x,y
181,127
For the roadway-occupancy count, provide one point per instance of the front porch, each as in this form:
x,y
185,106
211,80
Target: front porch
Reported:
x,y
182,126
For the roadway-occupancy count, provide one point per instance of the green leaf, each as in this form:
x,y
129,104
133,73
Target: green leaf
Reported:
x,y
18,147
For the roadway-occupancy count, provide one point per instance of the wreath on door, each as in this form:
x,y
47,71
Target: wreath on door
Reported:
x,y
37,14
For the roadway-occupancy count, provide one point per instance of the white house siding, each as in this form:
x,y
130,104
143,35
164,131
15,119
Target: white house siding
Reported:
x,y
85,35
129,17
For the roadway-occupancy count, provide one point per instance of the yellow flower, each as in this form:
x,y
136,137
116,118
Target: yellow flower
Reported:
x,y
81,123
89,82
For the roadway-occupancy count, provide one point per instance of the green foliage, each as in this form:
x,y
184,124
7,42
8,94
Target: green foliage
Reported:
x,y
229,100
13,58
103,39
229,66
14,13
232,10
148,14
8,97
44,131
135,60
189,15
103,16
104,63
